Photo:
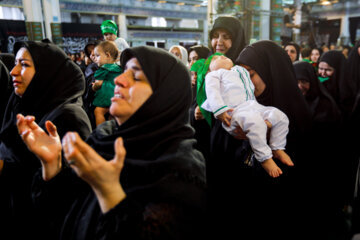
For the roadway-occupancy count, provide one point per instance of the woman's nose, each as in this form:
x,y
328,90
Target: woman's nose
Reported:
x,y
14,71
220,40
123,79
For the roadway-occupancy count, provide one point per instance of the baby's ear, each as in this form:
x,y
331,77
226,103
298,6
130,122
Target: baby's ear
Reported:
x,y
108,54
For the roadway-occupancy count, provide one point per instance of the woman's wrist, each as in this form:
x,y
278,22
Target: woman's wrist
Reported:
x,y
51,169
109,196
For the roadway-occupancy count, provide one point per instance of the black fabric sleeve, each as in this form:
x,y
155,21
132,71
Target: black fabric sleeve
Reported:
x,y
132,220
53,199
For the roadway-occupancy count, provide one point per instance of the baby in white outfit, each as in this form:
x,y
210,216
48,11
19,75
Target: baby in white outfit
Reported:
x,y
230,96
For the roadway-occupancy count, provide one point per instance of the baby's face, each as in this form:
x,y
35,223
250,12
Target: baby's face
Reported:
x,y
220,61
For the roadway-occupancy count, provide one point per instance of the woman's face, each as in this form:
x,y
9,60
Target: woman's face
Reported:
x,y
304,86
325,70
291,51
193,57
221,41
345,51
90,51
259,84
315,54
132,89
193,78
23,71
358,50
176,52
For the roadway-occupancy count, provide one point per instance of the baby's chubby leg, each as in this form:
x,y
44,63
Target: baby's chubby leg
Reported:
x,y
283,157
271,168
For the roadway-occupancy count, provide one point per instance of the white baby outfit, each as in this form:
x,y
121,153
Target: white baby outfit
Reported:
x,y
233,89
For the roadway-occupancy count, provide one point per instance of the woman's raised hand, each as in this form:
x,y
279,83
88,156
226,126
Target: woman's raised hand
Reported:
x,y
103,176
47,147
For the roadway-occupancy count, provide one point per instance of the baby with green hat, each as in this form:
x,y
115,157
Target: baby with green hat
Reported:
x,y
109,30
109,26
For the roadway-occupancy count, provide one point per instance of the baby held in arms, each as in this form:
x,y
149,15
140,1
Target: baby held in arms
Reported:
x,y
230,97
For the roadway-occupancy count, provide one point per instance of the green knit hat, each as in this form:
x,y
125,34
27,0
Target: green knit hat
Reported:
x,y
109,26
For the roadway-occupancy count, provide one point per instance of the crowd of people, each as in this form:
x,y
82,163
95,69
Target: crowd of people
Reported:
x,y
230,140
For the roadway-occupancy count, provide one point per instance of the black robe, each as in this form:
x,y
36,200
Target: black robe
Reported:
x,y
262,206
353,62
202,128
163,176
89,94
340,85
53,94
330,191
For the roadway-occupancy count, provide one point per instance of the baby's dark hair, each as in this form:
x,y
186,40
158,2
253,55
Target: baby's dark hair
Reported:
x,y
305,52
109,47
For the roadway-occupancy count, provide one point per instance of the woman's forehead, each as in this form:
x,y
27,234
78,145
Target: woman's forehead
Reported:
x,y
132,61
23,54
221,31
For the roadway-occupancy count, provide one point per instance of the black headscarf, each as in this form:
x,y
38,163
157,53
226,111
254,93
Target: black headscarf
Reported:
x,y
202,51
297,48
57,81
4,89
90,43
8,59
340,85
274,67
236,30
322,105
54,94
155,134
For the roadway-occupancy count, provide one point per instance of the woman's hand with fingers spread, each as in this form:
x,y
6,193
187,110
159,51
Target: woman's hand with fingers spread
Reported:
x,y
47,147
103,176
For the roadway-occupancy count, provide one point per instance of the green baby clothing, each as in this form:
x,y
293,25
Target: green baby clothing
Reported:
x,y
107,73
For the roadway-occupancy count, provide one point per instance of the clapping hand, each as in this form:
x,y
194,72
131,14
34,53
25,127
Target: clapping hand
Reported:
x,y
46,147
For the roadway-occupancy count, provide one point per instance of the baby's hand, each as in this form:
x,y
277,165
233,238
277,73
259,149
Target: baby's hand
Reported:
x,y
96,85
198,114
225,117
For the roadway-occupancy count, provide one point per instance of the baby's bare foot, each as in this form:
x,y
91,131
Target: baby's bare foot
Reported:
x,y
283,157
271,168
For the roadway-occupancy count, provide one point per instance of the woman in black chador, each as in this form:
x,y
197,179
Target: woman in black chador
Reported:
x,y
263,207
226,36
335,76
354,70
160,193
48,86
323,107
328,189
